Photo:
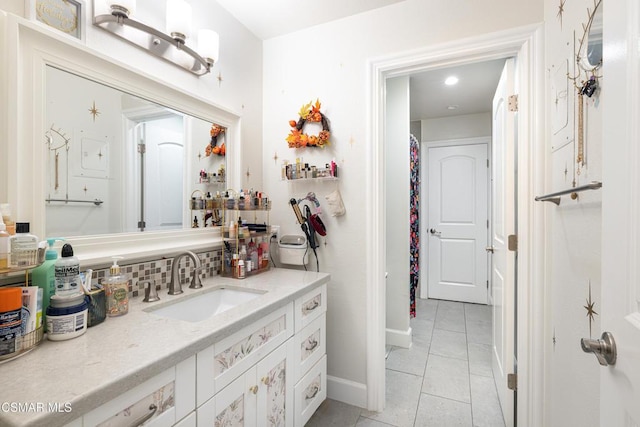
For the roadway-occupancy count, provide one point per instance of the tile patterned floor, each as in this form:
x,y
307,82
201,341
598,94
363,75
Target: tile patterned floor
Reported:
x,y
443,380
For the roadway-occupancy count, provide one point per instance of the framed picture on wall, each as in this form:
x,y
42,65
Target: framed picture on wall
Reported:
x,y
66,16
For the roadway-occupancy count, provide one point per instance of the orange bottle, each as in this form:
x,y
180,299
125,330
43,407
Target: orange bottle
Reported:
x,y
10,320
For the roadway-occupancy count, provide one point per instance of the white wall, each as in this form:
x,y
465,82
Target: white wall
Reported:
x,y
396,154
573,237
330,62
456,127
235,82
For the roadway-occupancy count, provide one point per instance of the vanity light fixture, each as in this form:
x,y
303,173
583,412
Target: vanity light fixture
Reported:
x,y
171,47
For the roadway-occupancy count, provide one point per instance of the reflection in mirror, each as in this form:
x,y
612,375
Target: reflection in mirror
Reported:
x,y
589,49
119,163
594,38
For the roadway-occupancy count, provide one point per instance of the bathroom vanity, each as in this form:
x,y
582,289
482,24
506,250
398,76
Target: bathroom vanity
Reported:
x,y
260,359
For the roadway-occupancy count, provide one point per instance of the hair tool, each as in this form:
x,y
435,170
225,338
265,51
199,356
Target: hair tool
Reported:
x,y
307,228
303,223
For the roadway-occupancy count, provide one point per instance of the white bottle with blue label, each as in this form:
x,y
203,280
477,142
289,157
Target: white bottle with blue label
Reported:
x,y
67,272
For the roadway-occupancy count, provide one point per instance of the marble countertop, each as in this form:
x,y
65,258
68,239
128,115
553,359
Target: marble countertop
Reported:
x,y
110,358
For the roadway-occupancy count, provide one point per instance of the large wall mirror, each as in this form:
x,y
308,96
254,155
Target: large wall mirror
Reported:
x,y
74,133
118,163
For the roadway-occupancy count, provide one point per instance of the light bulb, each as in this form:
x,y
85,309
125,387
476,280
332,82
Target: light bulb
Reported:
x,y
209,45
179,19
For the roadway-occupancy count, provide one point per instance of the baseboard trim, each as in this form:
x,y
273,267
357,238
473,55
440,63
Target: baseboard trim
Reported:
x,y
398,338
346,391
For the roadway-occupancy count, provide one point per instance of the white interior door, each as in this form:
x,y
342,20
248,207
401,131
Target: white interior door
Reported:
x,y
164,169
503,225
458,222
620,383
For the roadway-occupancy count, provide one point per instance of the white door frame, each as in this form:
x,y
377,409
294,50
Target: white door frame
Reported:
x,y
526,45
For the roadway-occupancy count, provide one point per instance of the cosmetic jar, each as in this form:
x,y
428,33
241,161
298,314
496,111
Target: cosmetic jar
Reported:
x,y
67,317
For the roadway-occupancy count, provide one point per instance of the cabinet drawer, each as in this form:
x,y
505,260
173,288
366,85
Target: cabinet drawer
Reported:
x,y
227,359
310,306
311,391
310,346
171,393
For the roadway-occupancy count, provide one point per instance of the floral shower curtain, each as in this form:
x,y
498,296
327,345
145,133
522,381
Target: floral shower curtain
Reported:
x,y
414,219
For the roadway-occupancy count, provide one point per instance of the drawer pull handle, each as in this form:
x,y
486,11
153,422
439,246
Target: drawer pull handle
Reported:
x,y
311,345
313,394
265,380
143,419
254,389
312,305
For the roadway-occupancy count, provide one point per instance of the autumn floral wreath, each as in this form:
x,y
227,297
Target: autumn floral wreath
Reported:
x,y
213,147
309,113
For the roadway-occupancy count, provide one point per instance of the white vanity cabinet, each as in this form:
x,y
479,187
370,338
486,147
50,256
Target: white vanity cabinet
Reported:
x,y
163,400
265,374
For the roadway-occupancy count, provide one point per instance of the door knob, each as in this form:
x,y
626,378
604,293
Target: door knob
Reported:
x,y
434,232
604,348
489,249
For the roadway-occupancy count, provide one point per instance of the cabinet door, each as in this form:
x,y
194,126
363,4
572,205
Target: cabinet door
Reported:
x,y
275,382
159,401
229,358
233,406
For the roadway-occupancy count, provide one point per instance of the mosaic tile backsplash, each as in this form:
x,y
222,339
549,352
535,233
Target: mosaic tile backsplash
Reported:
x,y
159,271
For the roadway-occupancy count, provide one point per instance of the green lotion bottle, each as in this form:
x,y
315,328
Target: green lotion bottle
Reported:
x,y
44,275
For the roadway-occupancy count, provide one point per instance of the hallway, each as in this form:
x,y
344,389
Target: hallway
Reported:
x,y
445,379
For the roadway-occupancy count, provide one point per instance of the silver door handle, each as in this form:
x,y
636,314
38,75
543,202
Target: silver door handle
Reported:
x,y
604,348
434,232
490,249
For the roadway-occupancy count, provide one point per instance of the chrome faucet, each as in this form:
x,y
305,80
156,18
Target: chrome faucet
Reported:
x,y
175,287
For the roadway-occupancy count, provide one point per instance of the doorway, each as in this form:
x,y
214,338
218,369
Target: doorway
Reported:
x,y
526,45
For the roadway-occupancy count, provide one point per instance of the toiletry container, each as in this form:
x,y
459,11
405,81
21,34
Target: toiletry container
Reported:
x,y
23,247
292,250
67,317
10,320
5,209
116,288
67,273
4,246
44,275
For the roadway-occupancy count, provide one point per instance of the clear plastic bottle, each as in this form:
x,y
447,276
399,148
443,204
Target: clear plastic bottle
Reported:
x,y
23,247
116,288
4,246
67,272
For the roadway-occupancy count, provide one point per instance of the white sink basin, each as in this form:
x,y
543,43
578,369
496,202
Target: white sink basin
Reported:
x,y
205,305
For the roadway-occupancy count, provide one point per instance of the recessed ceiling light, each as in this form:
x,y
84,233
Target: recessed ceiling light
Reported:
x,y
452,107
451,80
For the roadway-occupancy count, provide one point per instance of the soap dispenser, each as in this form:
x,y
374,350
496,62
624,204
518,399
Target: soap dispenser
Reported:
x,y
116,288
